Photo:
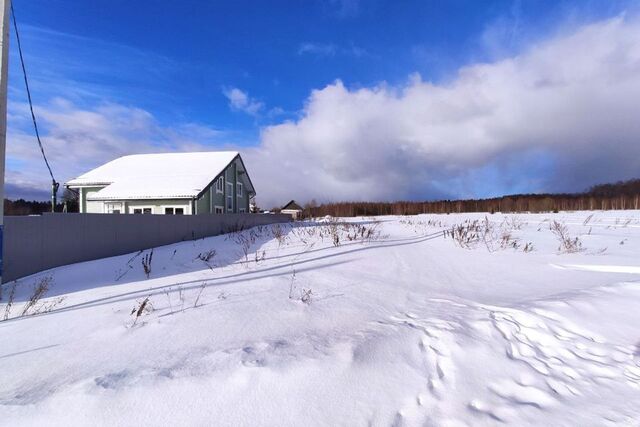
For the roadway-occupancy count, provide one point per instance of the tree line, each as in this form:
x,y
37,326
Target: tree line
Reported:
x,y
621,195
35,207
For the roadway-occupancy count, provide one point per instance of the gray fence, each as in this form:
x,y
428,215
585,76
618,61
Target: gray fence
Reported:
x,y
36,243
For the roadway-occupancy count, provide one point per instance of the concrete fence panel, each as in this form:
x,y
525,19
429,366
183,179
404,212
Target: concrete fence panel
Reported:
x,y
37,243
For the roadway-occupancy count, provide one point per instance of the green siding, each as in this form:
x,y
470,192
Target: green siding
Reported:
x,y
218,198
243,202
202,204
211,197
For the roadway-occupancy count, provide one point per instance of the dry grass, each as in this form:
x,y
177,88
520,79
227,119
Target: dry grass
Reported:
x,y
39,290
141,308
7,308
568,244
305,296
36,303
146,263
472,233
195,304
207,256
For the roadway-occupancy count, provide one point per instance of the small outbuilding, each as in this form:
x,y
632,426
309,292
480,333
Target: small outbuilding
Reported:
x,y
293,209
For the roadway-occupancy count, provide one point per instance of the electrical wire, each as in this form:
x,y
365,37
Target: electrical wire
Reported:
x,y
26,84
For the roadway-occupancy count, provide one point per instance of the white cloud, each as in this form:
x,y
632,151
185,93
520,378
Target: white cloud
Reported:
x,y
240,101
321,49
77,140
560,116
330,49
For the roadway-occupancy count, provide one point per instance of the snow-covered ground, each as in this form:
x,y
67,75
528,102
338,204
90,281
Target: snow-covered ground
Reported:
x,y
392,324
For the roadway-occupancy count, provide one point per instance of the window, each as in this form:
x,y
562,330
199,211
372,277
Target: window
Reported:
x,y
229,196
174,211
142,210
112,207
219,209
220,185
242,210
239,189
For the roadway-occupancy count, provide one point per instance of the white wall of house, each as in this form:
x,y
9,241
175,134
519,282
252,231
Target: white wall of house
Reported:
x,y
94,207
158,206
85,205
295,213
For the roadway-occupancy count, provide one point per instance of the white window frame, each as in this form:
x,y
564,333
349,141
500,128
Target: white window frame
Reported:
x,y
218,209
239,189
174,207
220,185
242,210
111,207
132,208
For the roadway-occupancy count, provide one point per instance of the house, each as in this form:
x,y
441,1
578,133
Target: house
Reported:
x,y
293,209
167,183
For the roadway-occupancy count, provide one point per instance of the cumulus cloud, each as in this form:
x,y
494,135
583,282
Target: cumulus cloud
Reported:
x,y
240,101
78,139
560,116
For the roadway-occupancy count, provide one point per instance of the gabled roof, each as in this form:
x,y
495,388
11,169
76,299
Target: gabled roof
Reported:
x,y
292,205
156,176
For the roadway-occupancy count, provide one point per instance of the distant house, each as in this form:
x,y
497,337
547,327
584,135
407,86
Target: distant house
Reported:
x,y
167,183
293,209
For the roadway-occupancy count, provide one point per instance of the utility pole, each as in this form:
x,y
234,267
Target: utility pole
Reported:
x,y
5,8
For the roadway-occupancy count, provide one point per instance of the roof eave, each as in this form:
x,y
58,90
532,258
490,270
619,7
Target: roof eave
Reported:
x,y
169,197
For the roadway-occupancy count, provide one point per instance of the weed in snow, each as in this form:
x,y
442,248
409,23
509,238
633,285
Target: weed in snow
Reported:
x,y
7,308
207,256
470,233
567,243
195,304
305,294
146,263
39,290
141,308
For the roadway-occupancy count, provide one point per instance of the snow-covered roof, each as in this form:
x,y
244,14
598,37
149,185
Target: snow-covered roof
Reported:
x,y
292,205
155,176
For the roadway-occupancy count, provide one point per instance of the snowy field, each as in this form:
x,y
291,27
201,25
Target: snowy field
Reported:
x,y
382,321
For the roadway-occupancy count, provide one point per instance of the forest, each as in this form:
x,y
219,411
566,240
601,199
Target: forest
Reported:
x,y
620,195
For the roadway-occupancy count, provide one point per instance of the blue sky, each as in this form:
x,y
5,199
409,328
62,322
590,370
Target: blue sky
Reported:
x,y
131,76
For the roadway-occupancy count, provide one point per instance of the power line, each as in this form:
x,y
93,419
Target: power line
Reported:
x,y
26,83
